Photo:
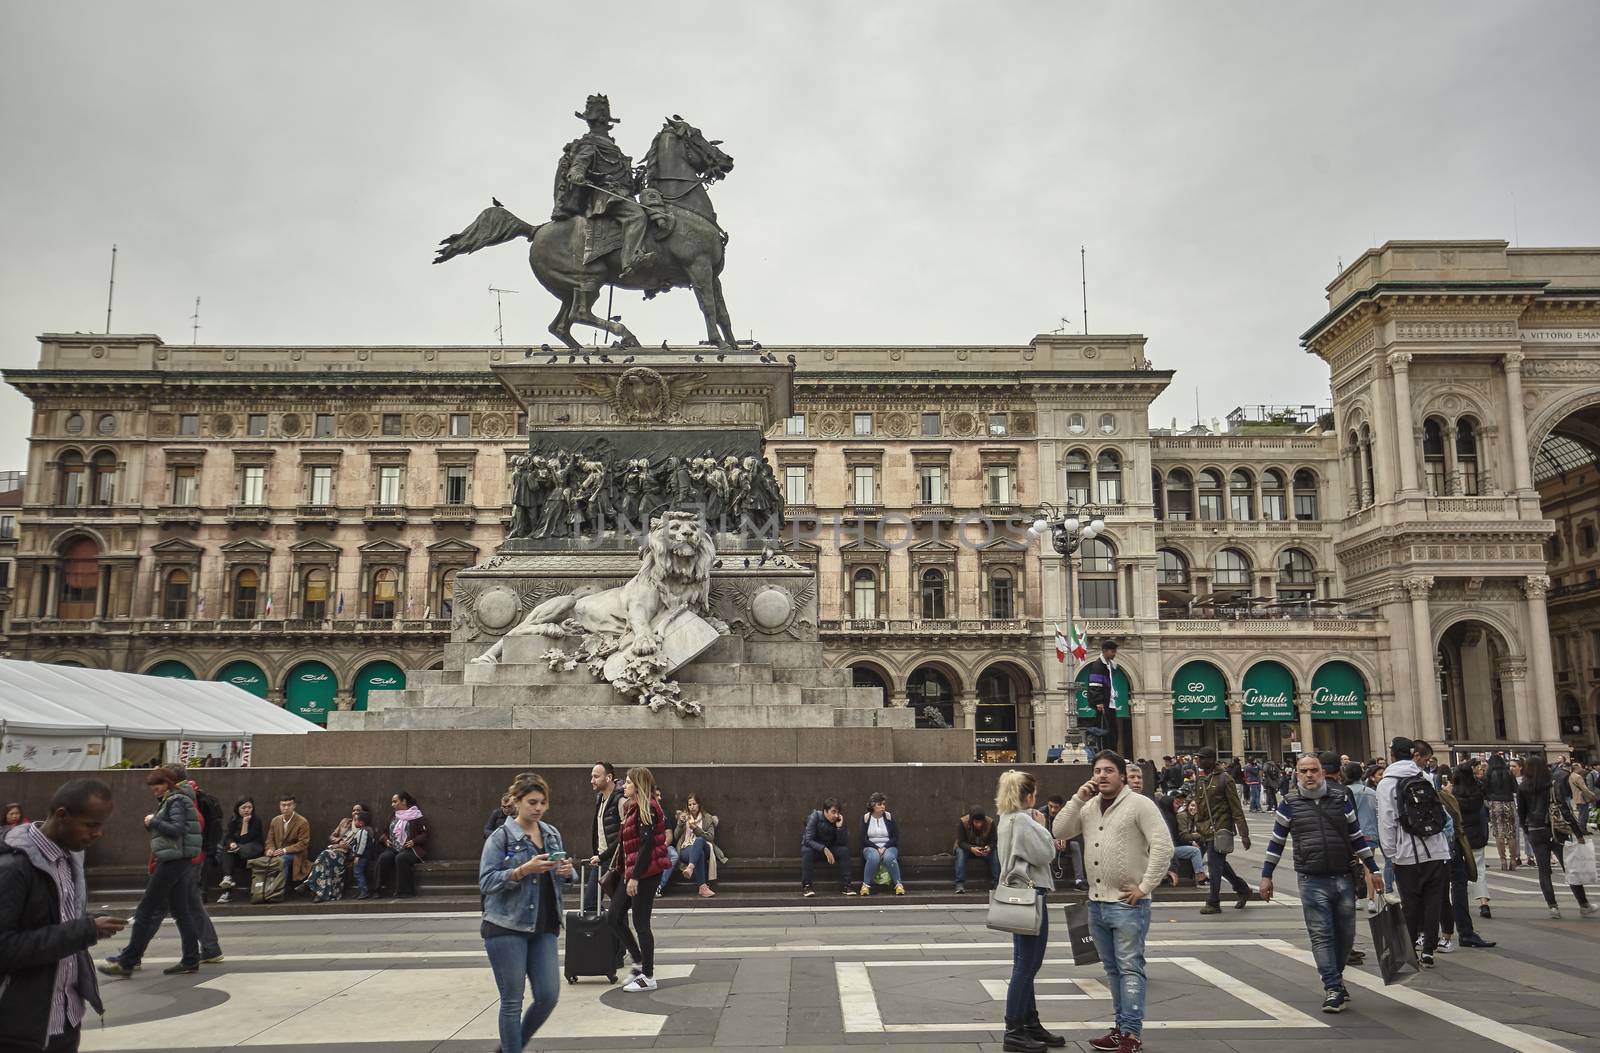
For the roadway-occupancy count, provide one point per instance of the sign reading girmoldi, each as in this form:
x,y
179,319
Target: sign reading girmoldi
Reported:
x,y
1197,692
1269,692
1338,693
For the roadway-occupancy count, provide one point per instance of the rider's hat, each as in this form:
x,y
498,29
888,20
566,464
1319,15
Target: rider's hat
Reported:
x,y
597,108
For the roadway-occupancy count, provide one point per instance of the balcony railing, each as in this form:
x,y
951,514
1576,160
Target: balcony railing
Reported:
x,y
1253,626
316,514
277,625
454,513
1574,588
930,626
178,515
238,514
385,514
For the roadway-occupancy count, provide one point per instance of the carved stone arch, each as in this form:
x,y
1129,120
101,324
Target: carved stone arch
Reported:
x,y
1174,662
80,658
960,683
1544,421
1446,618
72,532
340,664
168,654
894,680
1036,685
1298,667
1077,446
221,661
1362,664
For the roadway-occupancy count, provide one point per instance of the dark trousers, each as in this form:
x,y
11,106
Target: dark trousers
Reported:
x,y
1543,849
642,949
404,864
66,1042
1218,868
167,892
1459,919
235,865
841,860
209,947
1422,897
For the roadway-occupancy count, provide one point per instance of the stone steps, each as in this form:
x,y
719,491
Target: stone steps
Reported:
x,y
626,717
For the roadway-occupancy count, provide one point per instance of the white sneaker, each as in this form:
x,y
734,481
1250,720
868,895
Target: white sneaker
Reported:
x,y
640,983
1446,945
1588,909
226,882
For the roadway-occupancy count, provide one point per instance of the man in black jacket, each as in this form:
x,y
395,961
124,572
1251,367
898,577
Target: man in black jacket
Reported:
x,y
605,827
45,934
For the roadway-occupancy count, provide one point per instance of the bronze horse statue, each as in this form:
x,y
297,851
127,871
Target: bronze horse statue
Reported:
x,y
688,246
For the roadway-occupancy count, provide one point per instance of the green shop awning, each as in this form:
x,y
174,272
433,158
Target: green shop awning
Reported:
x,y
245,675
1198,692
310,692
1338,693
1269,692
378,676
1120,685
170,668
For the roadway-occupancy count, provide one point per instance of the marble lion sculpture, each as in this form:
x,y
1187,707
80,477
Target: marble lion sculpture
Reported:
x,y
675,572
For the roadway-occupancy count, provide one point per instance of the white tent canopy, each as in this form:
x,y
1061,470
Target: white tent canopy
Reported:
x,y
45,707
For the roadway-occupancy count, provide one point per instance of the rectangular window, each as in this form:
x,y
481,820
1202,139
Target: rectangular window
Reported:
x,y
522,424
1211,506
455,484
391,424
1305,506
1110,489
796,490
1239,508
865,489
795,425
863,424
1099,597
185,485
256,425
997,484
105,486
5,574
389,485
8,526
189,424
930,484
323,429
931,424
1272,507
320,491
72,486
997,424
253,486
460,425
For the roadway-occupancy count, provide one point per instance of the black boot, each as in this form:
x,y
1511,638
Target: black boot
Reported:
x,y
1037,1032
1018,1040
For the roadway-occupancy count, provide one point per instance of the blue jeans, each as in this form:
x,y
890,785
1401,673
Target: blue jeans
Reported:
x,y
518,961
672,865
288,859
1192,854
871,857
1119,931
1328,902
1027,958
963,854
1255,797
697,854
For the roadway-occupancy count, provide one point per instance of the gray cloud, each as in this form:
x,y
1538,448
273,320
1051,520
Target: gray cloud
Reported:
x,y
907,172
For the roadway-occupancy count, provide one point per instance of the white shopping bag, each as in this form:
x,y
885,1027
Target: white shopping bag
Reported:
x,y
1578,859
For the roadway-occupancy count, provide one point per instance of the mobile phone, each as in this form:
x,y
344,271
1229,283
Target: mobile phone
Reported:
x,y
556,857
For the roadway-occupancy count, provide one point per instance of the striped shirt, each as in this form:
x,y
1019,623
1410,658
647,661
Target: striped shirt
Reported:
x,y
66,1004
1283,819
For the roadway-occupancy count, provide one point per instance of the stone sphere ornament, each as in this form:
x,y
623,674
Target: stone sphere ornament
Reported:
x,y
497,607
772,607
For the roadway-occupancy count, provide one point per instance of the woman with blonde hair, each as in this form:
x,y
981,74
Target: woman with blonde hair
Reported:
x,y
517,874
643,855
1025,849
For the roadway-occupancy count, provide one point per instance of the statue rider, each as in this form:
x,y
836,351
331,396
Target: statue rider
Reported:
x,y
593,161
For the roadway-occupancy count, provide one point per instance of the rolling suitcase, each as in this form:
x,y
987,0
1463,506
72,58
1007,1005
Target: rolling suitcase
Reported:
x,y
592,948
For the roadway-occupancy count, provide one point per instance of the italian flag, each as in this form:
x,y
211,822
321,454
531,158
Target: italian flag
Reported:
x,y
1073,646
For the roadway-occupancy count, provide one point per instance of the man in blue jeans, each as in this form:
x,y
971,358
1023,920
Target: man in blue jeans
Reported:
x,y
1321,817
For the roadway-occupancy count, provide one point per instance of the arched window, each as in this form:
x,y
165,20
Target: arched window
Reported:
x,y
175,595
1467,455
1297,576
246,590
72,490
447,594
1305,495
314,594
385,593
1108,478
1002,594
1180,495
79,598
1171,569
1077,465
1230,569
931,697
1433,456
1108,423
1241,496
1210,494
1368,473
1097,585
933,593
1356,473
864,594
1158,494
1274,499
103,473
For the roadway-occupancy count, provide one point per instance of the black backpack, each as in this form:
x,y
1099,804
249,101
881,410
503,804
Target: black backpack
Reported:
x,y
211,820
1419,809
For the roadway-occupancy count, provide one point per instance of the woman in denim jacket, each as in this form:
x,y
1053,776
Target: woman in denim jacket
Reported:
x,y
522,910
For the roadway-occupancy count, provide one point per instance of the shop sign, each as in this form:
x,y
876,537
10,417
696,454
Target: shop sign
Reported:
x,y
1338,693
1197,693
1268,692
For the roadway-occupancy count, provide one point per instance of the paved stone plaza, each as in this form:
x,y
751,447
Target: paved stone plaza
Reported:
x,y
821,974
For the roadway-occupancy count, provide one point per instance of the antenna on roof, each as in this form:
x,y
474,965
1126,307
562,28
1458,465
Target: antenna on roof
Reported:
x,y
111,287
1516,237
499,316
194,319
1083,278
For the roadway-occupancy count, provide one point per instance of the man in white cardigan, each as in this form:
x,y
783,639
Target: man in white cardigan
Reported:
x,y
1126,848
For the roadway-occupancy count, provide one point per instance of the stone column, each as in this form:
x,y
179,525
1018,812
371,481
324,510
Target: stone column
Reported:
x,y
1541,671
275,697
1377,733
1033,744
1307,740
344,701
1516,422
1406,447
1138,709
1236,727
967,718
1430,720
1050,721
902,699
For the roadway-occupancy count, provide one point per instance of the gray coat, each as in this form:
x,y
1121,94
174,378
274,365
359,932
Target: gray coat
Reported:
x,y
175,826
1026,847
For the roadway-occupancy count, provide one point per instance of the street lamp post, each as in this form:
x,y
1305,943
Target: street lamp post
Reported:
x,y
1068,527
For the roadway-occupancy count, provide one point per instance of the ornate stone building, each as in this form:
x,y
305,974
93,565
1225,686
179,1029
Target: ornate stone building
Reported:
x,y
292,518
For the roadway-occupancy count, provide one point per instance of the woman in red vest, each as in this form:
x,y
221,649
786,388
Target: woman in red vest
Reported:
x,y
643,839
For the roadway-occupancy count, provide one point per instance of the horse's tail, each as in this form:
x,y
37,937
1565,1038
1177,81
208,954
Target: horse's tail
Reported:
x,y
494,226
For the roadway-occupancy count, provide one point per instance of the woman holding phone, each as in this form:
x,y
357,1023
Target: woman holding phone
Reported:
x,y
520,874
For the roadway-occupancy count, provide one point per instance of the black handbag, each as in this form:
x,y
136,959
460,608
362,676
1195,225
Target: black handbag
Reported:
x,y
1084,952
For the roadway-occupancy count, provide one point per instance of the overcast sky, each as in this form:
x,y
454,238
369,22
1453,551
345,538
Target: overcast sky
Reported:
x,y
918,172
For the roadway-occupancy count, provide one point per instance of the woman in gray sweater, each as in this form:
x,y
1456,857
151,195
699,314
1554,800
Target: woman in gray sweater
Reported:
x,y
1024,847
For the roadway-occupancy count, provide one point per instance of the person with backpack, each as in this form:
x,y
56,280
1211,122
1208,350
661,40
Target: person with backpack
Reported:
x,y
174,842
1221,819
1549,824
211,828
1411,823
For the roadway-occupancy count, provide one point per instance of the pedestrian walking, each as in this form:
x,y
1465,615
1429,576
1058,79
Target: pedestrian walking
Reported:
x,y
1411,823
1252,783
45,930
1500,792
1549,824
641,855
174,841
1580,793
209,810
1455,923
1329,849
604,825
1025,850
520,873
1221,820
1127,848
1467,787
